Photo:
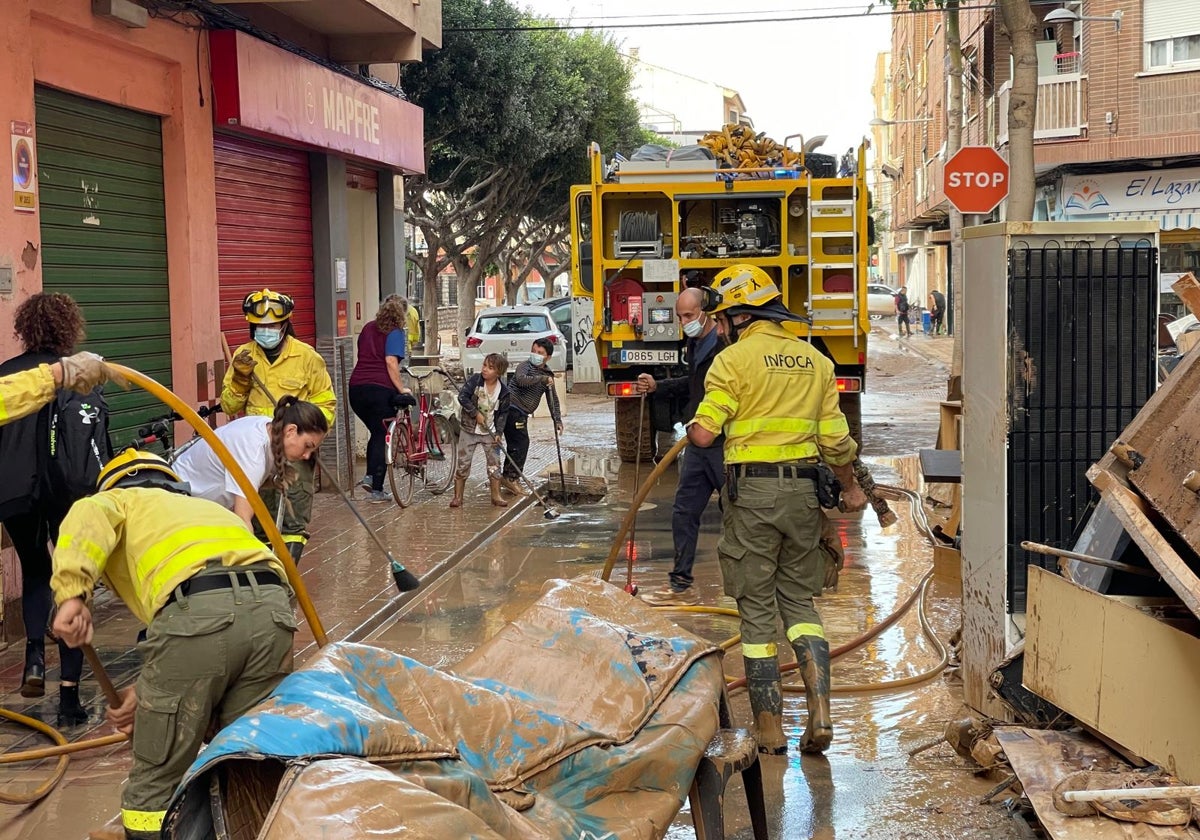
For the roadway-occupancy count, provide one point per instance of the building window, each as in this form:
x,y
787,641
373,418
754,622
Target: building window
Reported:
x,y
1171,30
733,116
449,290
481,289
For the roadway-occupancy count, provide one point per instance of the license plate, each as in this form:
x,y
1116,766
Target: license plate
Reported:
x,y
649,357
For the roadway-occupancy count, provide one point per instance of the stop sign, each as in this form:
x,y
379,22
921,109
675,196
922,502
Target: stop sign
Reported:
x,y
976,179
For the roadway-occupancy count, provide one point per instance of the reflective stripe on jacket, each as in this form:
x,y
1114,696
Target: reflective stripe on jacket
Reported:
x,y
145,541
21,394
299,371
775,397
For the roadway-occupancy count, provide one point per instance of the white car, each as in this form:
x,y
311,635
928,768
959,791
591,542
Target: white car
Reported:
x,y
881,301
510,331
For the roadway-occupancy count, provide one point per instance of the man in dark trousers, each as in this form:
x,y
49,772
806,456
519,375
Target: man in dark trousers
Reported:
x,y
937,311
902,325
703,470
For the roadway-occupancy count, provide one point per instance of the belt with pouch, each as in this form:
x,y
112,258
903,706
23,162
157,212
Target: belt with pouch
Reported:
x,y
223,580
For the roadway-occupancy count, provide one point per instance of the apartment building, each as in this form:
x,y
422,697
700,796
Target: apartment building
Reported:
x,y
1117,131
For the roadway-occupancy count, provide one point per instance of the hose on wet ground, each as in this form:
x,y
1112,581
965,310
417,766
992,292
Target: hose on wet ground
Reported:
x,y
918,595
62,749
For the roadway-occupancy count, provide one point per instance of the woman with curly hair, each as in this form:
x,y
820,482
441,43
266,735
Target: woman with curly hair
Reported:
x,y
376,389
48,326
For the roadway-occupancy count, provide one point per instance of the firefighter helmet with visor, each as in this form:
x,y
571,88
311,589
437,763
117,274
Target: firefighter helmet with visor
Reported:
x,y
267,307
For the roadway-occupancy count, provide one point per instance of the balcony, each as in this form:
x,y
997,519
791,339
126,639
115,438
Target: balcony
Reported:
x,y
355,31
1060,109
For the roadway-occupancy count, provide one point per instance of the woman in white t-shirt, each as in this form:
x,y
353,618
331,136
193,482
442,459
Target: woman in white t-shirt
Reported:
x,y
262,447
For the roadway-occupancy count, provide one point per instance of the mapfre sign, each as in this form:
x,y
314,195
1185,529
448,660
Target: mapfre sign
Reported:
x,y
976,179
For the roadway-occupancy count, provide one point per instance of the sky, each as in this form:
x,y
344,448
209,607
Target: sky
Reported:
x,y
803,76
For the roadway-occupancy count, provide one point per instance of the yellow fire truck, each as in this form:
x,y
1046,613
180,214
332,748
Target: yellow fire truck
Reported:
x,y
642,229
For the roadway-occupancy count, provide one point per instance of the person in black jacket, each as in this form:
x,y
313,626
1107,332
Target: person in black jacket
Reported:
x,y
703,469
49,326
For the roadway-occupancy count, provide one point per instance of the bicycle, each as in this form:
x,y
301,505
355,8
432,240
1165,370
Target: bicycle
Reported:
x,y
160,430
429,452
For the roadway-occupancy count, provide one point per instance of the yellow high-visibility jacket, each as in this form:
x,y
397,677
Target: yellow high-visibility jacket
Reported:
x,y
21,394
145,541
413,325
299,371
775,397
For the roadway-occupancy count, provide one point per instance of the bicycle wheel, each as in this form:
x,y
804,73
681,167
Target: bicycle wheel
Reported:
x,y
443,454
401,472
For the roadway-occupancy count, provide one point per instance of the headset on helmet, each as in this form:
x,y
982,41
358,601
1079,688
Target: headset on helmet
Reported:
x,y
267,307
138,468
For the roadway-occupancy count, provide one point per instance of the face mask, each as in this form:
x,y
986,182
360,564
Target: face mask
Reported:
x,y
692,329
268,338
536,359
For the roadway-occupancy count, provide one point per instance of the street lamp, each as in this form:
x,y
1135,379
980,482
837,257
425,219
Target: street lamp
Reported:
x,y
880,122
1071,16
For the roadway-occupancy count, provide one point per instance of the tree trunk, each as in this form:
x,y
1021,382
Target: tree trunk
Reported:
x,y
1022,25
954,129
467,274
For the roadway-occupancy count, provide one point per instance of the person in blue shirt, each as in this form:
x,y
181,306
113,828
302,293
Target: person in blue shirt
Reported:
x,y
377,391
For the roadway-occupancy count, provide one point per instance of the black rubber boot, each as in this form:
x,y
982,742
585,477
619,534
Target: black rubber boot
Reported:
x,y
33,683
766,704
296,549
70,711
812,654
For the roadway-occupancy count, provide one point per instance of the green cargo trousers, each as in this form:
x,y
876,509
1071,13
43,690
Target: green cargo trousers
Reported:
x,y
300,494
207,657
771,558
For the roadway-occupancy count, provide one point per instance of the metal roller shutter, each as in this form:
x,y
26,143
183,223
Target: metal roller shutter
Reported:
x,y
264,231
104,240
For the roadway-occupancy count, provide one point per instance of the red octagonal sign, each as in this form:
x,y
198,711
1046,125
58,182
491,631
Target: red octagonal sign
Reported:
x,y
976,179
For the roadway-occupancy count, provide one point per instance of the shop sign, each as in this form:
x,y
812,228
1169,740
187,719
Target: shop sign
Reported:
x,y
263,90
24,167
1147,191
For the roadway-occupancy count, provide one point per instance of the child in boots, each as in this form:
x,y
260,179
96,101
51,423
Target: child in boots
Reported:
x,y
484,400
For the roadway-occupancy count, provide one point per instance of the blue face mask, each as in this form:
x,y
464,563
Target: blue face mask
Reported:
x,y
536,359
268,338
692,329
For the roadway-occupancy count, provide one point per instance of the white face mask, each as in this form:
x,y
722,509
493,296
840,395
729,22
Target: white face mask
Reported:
x,y
692,329
536,359
268,338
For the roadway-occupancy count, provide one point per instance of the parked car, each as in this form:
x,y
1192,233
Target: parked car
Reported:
x,y
560,311
511,330
881,301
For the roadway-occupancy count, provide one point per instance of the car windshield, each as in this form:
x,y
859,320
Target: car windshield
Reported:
x,y
512,324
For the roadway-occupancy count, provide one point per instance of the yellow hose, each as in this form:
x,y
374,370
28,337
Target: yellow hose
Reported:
x,y
639,497
62,747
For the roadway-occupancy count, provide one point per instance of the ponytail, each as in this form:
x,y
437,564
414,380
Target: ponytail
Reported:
x,y
306,417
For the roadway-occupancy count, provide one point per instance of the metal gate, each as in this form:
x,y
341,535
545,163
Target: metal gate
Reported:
x,y
1082,343
104,239
264,231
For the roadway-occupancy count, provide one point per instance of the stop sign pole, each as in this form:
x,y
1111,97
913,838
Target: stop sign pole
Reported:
x,y
975,179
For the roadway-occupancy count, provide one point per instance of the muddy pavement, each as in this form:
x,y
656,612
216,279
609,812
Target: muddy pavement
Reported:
x,y
867,786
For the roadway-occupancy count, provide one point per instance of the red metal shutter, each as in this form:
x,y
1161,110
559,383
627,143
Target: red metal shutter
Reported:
x,y
360,177
264,231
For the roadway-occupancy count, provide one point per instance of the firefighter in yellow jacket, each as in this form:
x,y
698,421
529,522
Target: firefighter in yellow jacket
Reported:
x,y
21,394
283,364
216,603
775,398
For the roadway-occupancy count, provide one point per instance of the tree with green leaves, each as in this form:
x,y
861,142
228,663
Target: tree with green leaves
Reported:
x,y
509,112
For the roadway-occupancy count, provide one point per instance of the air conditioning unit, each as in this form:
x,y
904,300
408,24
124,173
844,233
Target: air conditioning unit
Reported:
x,y
917,238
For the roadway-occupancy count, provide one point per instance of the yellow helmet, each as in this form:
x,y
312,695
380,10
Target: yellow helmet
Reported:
x,y
137,468
267,307
745,288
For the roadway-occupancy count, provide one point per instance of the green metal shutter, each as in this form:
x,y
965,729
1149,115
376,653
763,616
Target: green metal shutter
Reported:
x,y
104,238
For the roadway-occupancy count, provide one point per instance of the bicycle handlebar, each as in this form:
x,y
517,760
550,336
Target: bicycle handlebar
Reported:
x,y
157,426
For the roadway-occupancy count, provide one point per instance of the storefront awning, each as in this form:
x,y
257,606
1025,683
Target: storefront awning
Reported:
x,y
1166,221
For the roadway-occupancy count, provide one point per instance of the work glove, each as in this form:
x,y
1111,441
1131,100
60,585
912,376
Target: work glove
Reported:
x,y
84,371
243,371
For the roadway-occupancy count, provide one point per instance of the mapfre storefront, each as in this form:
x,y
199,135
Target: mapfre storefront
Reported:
x,y
306,162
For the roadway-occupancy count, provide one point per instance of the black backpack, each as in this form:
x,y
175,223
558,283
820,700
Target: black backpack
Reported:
x,y
79,445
